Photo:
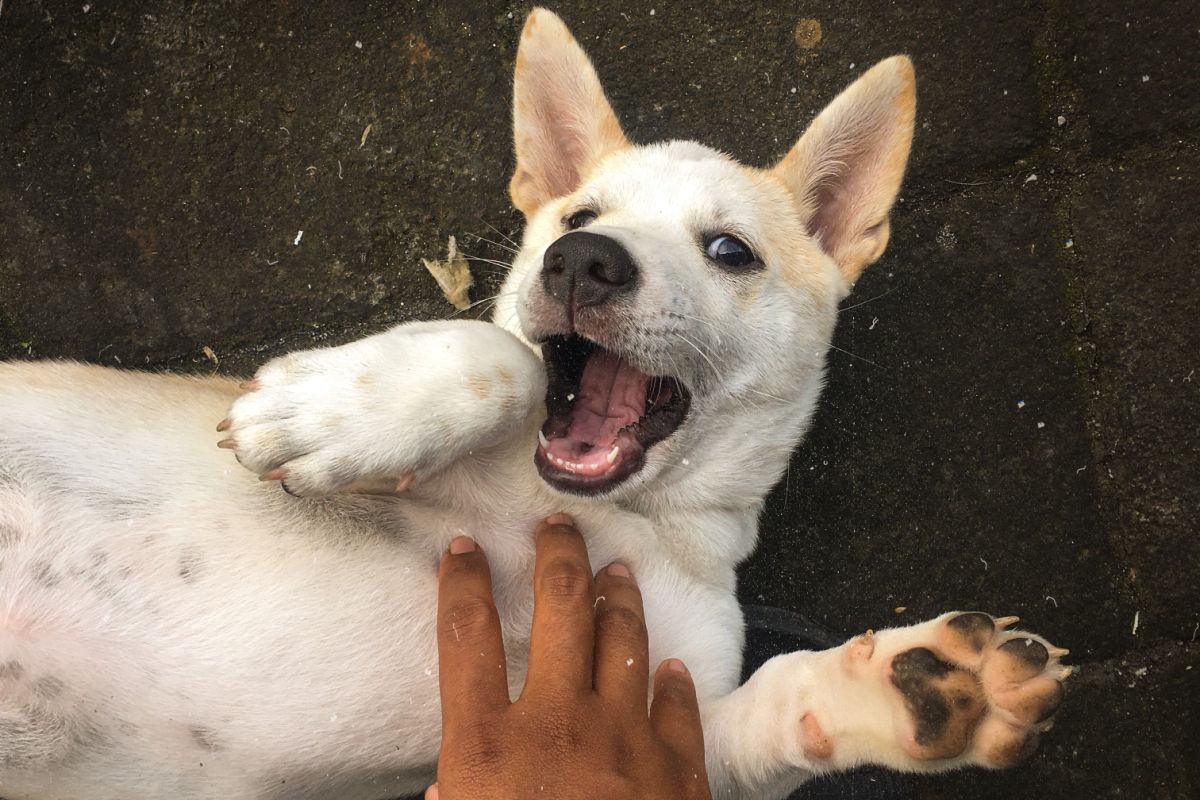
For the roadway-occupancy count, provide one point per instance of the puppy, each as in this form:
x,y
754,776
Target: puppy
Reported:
x,y
172,627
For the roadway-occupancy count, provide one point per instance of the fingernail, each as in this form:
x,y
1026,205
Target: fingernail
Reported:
x,y
675,665
462,544
617,570
560,519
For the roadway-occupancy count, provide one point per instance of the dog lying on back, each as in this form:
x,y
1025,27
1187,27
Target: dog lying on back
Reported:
x,y
172,627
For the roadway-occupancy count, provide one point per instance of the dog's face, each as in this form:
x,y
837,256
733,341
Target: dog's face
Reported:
x,y
683,302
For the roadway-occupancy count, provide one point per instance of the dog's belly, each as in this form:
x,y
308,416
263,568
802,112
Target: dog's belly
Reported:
x,y
215,663
145,661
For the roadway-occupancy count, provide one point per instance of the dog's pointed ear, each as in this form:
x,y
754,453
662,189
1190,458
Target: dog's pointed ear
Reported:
x,y
846,169
562,123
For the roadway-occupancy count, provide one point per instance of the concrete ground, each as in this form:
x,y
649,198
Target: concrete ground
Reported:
x,y
1010,422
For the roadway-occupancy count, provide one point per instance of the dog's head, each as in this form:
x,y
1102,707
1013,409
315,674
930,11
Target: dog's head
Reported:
x,y
683,302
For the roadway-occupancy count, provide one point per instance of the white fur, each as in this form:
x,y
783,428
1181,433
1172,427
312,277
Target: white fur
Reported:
x,y
171,627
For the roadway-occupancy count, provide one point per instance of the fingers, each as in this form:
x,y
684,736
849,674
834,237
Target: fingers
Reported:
x,y
675,714
622,666
471,667
560,648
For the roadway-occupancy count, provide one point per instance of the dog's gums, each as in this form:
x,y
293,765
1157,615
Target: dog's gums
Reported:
x,y
603,414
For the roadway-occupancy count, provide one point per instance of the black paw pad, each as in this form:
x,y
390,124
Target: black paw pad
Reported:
x,y
944,703
1030,653
975,628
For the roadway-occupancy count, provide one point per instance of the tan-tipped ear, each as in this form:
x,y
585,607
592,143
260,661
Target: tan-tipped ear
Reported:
x,y
562,123
846,169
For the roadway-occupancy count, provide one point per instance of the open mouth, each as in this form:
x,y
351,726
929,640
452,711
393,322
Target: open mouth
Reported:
x,y
604,413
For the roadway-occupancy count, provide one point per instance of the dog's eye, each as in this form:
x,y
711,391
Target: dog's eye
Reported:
x,y
580,219
730,251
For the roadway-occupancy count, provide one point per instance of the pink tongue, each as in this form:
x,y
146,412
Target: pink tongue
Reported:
x,y
612,395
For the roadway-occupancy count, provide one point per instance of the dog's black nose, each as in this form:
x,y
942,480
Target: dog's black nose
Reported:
x,y
587,269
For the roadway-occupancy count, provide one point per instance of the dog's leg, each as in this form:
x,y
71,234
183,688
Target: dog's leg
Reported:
x,y
954,691
379,413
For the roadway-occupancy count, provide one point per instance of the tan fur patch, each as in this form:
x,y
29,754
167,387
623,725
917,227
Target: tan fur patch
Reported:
x,y
480,386
800,257
562,123
846,169
815,741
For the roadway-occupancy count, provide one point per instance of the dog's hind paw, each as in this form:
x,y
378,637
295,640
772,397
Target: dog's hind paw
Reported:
x,y
970,689
958,690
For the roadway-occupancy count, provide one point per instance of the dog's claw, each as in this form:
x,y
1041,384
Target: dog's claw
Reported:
x,y
249,386
1004,622
224,425
227,444
277,474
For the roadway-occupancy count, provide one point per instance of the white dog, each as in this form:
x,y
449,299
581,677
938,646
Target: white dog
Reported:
x,y
172,628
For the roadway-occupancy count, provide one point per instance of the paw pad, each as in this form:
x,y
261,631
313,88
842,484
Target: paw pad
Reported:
x,y
943,702
977,687
1025,657
974,628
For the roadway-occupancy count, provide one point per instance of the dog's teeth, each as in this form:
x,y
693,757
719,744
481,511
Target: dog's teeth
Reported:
x,y
612,454
542,440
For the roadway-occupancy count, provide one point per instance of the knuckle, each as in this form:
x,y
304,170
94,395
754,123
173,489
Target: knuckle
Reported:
x,y
467,620
567,578
478,753
620,622
567,737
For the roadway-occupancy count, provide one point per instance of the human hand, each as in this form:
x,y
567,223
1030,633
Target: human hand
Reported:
x,y
579,730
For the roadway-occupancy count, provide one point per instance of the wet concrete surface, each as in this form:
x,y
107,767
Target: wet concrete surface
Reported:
x,y
1010,421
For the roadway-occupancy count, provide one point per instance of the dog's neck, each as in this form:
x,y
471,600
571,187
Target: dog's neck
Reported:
x,y
716,486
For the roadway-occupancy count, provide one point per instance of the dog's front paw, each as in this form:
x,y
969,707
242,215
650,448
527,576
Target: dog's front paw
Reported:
x,y
970,689
311,421
377,414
